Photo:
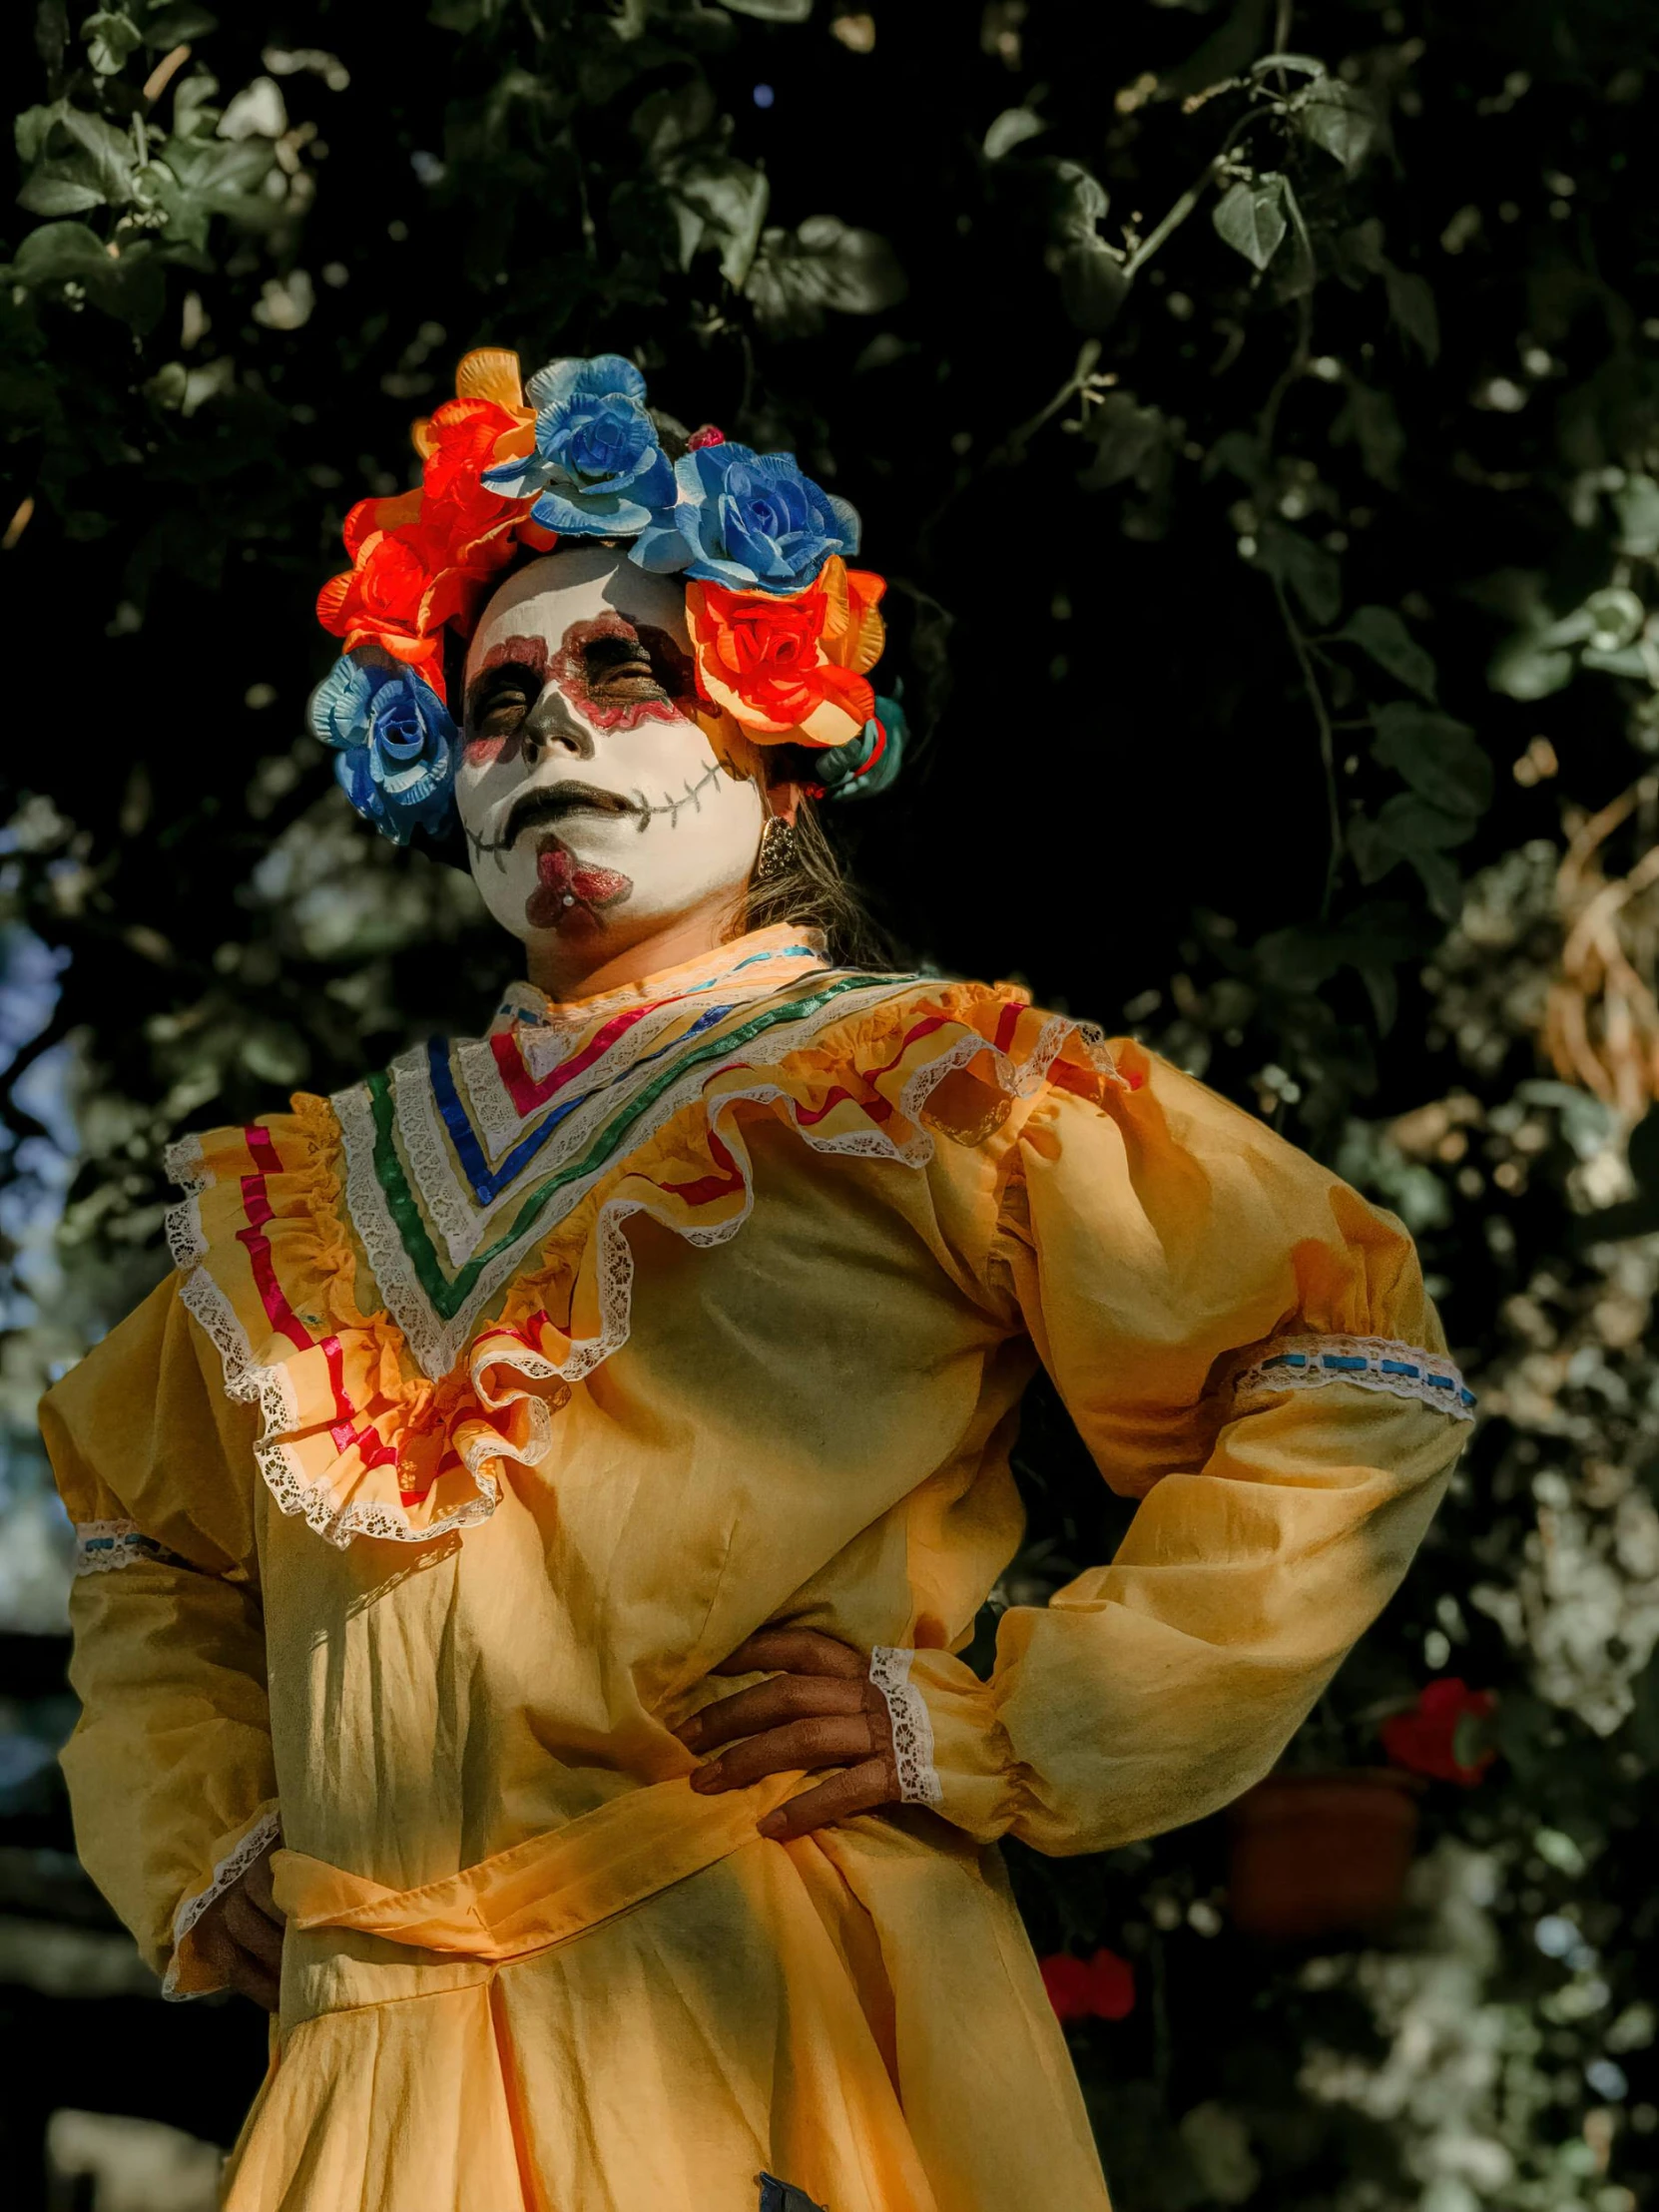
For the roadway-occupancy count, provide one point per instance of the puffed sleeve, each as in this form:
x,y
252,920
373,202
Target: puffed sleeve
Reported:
x,y
170,1768
1246,1346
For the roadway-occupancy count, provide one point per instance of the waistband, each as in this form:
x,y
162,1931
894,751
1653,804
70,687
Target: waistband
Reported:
x,y
547,1889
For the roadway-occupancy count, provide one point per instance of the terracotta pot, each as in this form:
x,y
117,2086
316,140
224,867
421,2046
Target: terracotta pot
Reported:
x,y
1322,1854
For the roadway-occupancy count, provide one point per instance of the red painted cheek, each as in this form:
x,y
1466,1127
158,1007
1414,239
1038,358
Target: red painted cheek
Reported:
x,y
481,751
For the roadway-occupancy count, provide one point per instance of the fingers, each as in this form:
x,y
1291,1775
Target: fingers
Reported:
x,y
256,1886
861,1789
250,1932
786,1697
795,1651
249,1980
239,1970
822,1742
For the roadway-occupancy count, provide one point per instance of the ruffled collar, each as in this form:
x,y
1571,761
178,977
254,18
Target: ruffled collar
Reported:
x,y
750,966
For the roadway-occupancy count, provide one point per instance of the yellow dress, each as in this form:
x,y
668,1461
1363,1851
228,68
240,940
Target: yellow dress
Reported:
x,y
497,1399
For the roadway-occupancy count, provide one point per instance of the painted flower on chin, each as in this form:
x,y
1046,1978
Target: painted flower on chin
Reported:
x,y
596,469
747,521
398,749
791,670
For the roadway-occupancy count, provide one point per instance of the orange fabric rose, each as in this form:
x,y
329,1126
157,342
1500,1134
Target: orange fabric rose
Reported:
x,y
788,668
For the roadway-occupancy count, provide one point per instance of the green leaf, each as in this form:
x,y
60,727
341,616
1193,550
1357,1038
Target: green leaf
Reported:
x,y
1636,503
1128,439
1295,65
1379,631
1093,286
1311,571
1336,118
1525,667
1617,617
1370,419
1408,830
1250,217
178,26
1010,129
112,157
1441,759
728,202
58,252
823,265
772,11
110,38
1412,305
1414,827
33,127
58,195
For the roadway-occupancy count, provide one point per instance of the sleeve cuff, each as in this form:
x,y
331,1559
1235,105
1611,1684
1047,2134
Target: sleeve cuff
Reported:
x,y
952,1752
187,1973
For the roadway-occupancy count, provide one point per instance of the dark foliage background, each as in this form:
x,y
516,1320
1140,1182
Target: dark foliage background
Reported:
x,y
1252,409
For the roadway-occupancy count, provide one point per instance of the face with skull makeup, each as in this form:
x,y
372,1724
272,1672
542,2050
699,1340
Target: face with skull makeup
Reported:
x,y
599,817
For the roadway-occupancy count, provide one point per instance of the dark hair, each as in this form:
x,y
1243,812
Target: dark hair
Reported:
x,y
814,892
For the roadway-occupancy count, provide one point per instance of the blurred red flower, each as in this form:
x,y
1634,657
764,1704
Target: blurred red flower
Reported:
x,y
1098,1988
1426,1739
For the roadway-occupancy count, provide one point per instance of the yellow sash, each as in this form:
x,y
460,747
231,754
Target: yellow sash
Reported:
x,y
545,1890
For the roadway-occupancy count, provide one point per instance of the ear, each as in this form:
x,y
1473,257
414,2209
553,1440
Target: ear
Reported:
x,y
781,801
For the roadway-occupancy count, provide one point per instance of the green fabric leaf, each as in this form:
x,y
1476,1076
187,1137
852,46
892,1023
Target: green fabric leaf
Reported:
x,y
1250,217
1440,759
1380,633
772,11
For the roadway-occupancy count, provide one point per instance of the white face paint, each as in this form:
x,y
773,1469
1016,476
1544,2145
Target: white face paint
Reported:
x,y
596,813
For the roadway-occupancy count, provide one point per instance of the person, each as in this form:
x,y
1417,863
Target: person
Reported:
x,y
531,1536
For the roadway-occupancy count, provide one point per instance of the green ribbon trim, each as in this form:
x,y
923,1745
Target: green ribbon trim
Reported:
x,y
449,1296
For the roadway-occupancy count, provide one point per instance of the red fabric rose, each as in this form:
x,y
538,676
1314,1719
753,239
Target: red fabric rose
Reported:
x,y
1426,1739
1098,1988
462,439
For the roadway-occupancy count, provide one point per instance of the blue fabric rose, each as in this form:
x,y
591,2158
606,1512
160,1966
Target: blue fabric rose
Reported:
x,y
750,521
598,470
396,745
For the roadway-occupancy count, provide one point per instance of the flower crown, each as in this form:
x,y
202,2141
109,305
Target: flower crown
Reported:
x,y
783,631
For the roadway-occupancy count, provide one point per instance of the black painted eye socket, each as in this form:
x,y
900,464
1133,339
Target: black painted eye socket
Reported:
x,y
500,700
502,712
620,664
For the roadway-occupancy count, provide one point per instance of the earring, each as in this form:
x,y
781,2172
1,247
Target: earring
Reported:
x,y
777,855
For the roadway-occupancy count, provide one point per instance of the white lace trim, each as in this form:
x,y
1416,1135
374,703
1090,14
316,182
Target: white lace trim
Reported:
x,y
912,1729
105,1546
435,1347
265,1830
1369,1363
436,1344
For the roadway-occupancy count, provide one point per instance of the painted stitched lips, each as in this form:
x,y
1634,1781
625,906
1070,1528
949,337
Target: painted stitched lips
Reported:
x,y
570,891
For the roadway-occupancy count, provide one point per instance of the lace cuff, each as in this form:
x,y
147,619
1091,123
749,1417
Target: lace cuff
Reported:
x,y
103,1546
912,1731
1369,1362
265,1830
